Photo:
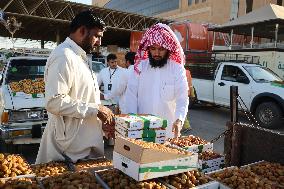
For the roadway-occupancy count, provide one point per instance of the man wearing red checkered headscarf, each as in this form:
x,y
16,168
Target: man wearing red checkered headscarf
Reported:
x,y
158,83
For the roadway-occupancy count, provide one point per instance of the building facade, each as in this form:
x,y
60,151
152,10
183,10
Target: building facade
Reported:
x,y
200,11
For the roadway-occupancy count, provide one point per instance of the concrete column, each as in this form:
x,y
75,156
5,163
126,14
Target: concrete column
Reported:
x,y
57,37
252,36
276,34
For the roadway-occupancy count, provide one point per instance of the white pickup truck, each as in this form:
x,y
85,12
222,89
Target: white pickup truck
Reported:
x,y
22,112
261,90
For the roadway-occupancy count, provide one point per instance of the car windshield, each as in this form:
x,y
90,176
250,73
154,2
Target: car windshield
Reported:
x,y
262,74
20,69
97,67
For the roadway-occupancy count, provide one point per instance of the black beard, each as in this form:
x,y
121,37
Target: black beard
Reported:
x,y
158,63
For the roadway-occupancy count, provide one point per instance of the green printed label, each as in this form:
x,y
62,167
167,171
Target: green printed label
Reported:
x,y
163,168
149,133
277,84
146,122
165,123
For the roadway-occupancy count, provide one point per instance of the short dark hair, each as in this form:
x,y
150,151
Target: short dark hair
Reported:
x,y
130,56
87,19
111,57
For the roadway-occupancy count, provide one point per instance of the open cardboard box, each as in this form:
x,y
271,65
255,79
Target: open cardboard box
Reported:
x,y
144,155
144,171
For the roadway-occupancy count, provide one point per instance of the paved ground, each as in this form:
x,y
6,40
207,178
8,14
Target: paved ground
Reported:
x,y
206,121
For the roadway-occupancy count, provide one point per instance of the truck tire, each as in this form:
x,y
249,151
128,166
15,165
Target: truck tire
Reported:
x,y
269,115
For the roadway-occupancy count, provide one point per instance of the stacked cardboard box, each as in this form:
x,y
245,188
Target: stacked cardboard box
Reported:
x,y
142,127
149,160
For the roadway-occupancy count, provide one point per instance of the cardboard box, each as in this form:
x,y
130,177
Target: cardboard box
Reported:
x,y
144,155
138,122
218,163
142,133
145,171
159,140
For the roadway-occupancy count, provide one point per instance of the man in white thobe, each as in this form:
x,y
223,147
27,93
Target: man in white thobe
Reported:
x,y
120,88
158,84
110,77
72,96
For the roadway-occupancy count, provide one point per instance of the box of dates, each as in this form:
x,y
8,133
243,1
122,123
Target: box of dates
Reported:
x,y
234,177
191,143
189,179
146,160
210,161
139,122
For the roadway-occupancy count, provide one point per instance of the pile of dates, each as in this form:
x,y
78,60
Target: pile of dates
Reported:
x,y
271,171
158,147
49,169
187,180
12,165
89,164
19,183
76,180
208,155
237,178
115,179
187,141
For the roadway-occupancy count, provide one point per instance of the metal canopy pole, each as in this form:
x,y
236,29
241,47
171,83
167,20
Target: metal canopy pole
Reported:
x,y
252,36
231,38
213,45
42,44
276,35
234,103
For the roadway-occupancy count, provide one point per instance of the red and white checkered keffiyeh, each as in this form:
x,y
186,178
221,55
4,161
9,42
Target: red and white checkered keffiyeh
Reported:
x,y
162,35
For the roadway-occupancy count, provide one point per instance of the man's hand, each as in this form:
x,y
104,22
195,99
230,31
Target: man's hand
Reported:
x,y
177,125
105,115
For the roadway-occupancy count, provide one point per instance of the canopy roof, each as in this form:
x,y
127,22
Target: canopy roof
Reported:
x,y
43,19
263,20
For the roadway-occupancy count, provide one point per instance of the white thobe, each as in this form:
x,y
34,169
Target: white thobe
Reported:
x,y
159,91
110,76
120,89
72,98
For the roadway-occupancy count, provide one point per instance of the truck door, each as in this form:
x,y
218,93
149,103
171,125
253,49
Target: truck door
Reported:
x,y
230,75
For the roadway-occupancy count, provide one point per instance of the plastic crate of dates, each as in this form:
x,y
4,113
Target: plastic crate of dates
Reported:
x,y
115,179
191,143
12,165
236,178
190,179
69,180
49,169
274,172
28,182
93,164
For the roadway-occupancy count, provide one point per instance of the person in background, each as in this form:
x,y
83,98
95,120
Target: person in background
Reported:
x,y
72,98
110,76
158,83
120,88
129,59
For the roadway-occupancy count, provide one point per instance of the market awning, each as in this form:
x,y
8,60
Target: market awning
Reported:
x,y
263,20
44,19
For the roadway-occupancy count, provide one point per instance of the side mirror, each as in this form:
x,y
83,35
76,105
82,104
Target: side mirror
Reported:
x,y
242,79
